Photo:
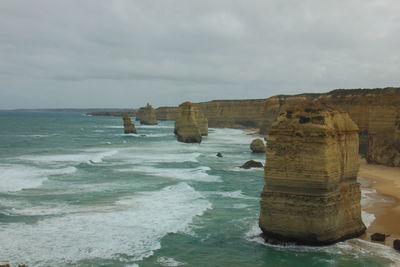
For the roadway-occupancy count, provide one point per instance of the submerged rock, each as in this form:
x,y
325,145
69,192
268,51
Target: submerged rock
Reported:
x,y
378,237
146,115
311,195
129,127
190,124
252,164
257,146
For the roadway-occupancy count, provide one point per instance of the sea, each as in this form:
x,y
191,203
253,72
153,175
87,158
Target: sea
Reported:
x,y
76,191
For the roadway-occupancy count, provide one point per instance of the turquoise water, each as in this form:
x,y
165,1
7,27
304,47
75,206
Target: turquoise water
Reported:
x,y
75,191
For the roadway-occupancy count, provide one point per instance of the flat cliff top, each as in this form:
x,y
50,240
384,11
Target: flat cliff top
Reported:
x,y
311,119
343,92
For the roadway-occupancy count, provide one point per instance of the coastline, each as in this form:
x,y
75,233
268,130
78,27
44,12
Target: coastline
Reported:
x,y
382,186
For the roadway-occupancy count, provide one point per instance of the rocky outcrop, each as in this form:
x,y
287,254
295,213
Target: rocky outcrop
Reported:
x,y
311,195
378,237
396,244
251,164
166,113
375,111
190,124
257,146
129,127
146,115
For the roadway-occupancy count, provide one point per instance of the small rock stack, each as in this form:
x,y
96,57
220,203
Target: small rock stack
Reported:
x,y
311,195
129,127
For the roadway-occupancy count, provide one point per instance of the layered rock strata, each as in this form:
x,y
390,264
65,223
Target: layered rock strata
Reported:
x,y
257,146
375,111
311,195
146,115
129,127
190,124
233,113
166,113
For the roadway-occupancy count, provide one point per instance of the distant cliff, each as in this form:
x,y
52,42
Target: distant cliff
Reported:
x,y
113,112
224,113
233,113
166,113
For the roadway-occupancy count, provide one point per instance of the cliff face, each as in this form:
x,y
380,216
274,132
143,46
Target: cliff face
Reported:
x,y
146,115
375,111
129,127
190,124
311,195
166,113
233,113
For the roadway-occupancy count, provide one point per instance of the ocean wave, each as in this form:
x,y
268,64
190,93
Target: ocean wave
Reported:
x,y
230,136
15,177
145,135
94,157
114,127
133,229
232,194
152,156
154,126
197,174
168,261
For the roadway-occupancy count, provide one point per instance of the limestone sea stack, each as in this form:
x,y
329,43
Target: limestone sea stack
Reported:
x,y
147,115
311,195
129,127
190,124
257,146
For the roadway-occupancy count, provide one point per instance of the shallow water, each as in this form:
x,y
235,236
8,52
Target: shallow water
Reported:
x,y
75,191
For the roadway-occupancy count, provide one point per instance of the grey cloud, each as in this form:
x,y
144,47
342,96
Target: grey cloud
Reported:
x,y
125,53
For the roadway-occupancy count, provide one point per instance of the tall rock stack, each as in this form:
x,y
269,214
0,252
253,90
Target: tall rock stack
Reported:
x,y
129,127
311,195
140,113
147,115
190,124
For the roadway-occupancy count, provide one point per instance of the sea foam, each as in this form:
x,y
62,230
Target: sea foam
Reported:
x,y
197,174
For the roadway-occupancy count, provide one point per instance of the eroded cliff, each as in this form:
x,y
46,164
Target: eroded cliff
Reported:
x,y
190,124
375,111
311,195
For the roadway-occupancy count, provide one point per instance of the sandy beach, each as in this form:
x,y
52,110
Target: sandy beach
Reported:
x,y
386,200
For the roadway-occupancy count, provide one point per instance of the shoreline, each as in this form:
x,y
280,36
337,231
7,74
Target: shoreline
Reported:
x,y
383,188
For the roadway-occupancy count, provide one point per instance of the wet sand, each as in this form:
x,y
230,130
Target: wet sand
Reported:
x,y
386,201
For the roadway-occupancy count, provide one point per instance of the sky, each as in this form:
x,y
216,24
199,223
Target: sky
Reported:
x,y
126,53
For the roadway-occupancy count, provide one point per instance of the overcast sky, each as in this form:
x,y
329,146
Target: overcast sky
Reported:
x,y
125,53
